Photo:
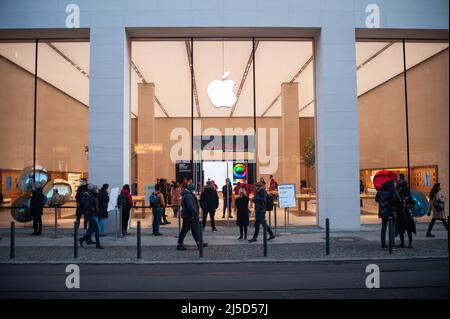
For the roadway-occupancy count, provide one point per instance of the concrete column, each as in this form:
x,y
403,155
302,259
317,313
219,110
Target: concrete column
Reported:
x,y
337,153
146,136
290,132
109,112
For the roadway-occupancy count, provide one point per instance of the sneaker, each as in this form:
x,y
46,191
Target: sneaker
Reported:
x,y
271,237
126,233
214,229
252,240
181,247
33,234
81,240
167,222
430,235
157,234
100,247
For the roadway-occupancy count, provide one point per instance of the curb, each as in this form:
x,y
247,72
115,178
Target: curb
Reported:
x,y
225,261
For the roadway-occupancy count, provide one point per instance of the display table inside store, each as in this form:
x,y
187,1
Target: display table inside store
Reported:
x,y
139,201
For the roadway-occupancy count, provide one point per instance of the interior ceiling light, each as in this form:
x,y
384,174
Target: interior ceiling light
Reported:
x,y
366,62
194,83
69,61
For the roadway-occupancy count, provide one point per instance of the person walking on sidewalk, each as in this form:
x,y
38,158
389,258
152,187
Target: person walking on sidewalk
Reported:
x,y
437,208
89,203
209,200
189,214
103,201
82,188
243,213
388,203
125,203
260,199
227,192
158,203
37,204
404,221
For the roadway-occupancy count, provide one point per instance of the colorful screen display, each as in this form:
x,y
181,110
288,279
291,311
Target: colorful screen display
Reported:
x,y
240,172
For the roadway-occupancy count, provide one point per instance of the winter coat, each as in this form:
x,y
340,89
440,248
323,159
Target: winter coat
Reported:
x,y
89,204
260,200
103,201
189,205
129,199
209,200
437,213
176,196
230,191
388,201
243,213
37,203
80,191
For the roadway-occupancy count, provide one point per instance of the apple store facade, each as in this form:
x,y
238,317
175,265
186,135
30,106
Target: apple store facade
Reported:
x,y
319,94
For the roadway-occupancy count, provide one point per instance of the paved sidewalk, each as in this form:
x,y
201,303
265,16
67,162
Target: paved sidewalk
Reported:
x,y
294,243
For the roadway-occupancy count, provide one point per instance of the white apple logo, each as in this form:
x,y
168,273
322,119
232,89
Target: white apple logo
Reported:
x,y
220,92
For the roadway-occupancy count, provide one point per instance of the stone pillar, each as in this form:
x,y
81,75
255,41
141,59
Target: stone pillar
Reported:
x,y
290,134
145,136
109,111
337,153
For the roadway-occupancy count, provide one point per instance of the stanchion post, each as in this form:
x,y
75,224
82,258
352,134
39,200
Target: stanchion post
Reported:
x,y
139,252
55,228
391,234
75,239
120,221
200,231
327,236
265,237
12,247
285,221
275,218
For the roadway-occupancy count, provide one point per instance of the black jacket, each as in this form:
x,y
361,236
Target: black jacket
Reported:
x,y
89,204
230,191
103,200
209,199
388,201
260,200
37,203
243,213
80,191
189,205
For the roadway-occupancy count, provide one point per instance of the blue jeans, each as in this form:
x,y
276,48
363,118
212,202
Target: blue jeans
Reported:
x,y
93,228
101,225
157,215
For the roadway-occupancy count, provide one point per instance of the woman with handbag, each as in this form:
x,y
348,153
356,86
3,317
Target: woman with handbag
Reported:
x,y
437,207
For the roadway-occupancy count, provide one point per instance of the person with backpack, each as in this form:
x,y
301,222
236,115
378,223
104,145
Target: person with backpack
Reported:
x,y
388,203
260,200
404,221
89,203
189,214
103,201
37,203
157,203
243,213
209,200
437,207
125,203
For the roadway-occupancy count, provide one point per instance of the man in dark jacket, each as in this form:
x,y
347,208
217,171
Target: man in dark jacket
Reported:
x,y
103,201
89,204
405,221
209,200
227,192
80,191
189,213
260,199
388,202
37,204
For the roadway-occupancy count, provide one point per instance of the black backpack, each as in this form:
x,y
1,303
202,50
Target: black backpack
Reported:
x,y
122,201
269,202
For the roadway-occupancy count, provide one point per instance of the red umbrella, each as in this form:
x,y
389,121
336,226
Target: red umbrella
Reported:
x,y
382,177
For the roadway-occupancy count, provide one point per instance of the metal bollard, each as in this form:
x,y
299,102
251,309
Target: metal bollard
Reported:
x,y
391,234
55,228
75,240
139,251
327,236
275,218
200,231
12,247
265,237
285,222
